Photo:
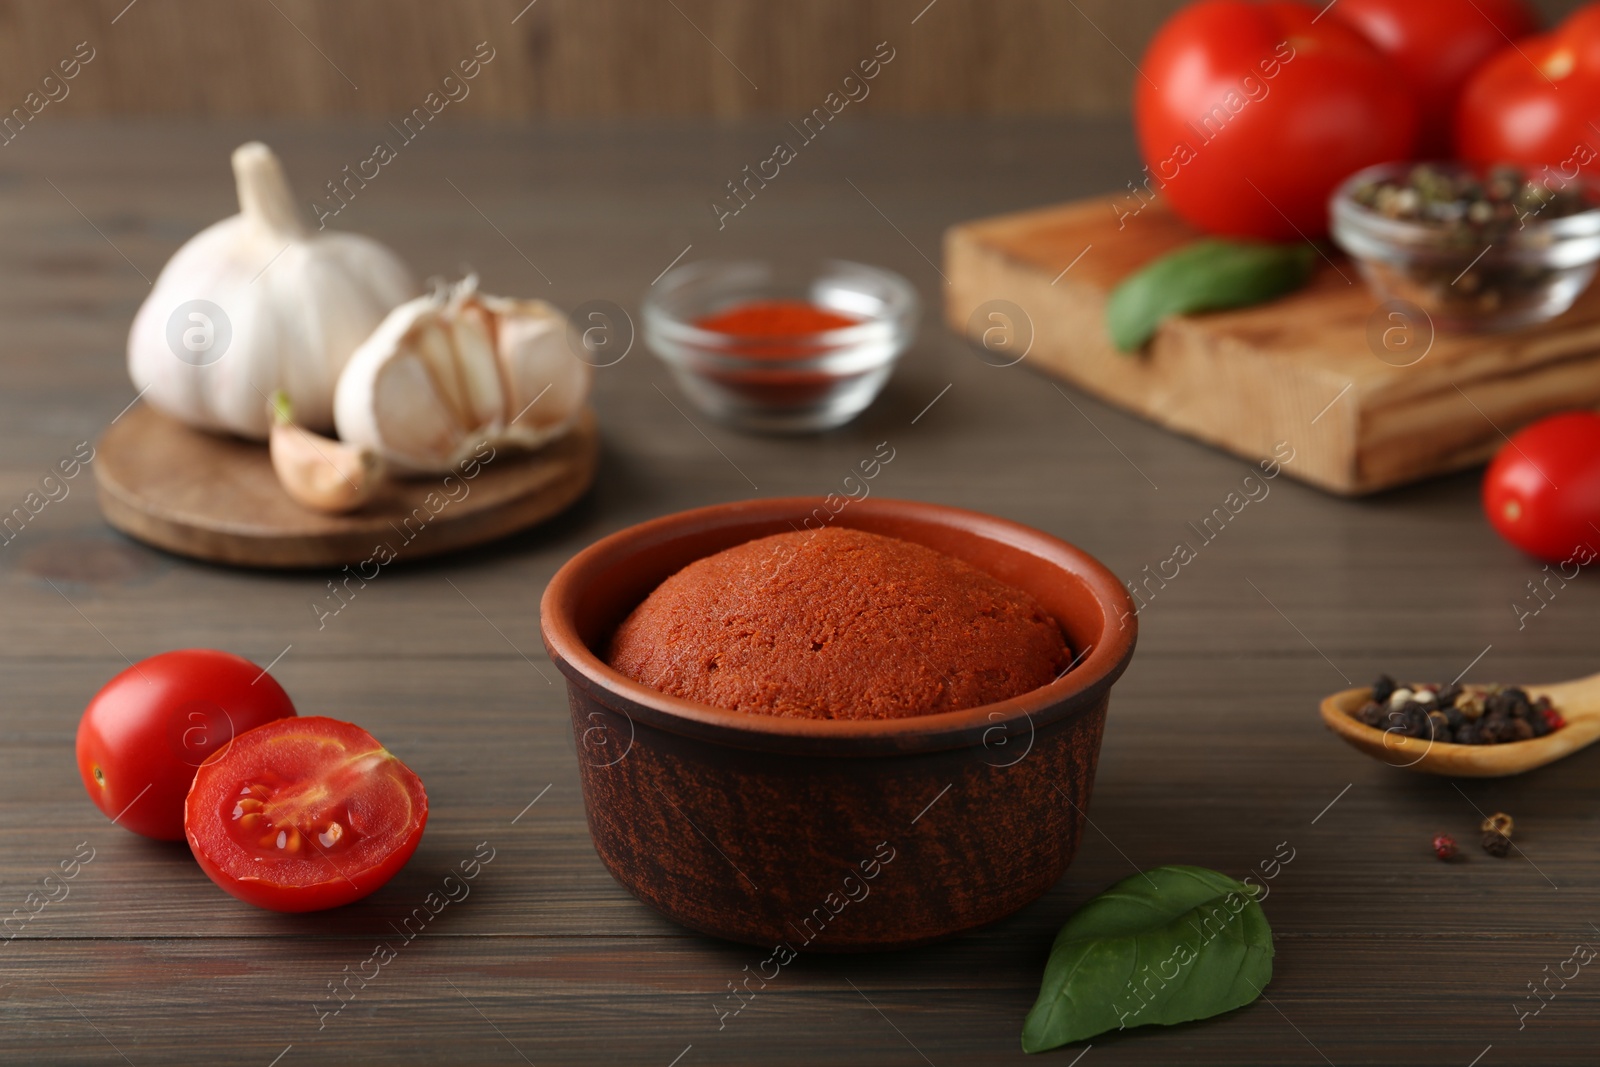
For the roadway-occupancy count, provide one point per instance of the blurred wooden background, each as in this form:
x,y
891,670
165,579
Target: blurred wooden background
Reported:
x,y
579,58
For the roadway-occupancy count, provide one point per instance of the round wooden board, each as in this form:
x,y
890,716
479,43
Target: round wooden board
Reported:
x,y
216,498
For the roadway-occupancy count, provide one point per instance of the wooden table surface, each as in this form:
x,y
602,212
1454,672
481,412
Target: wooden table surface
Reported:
x,y
1213,752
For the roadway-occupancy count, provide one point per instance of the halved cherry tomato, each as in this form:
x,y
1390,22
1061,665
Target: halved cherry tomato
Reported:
x,y
304,814
1437,44
1250,114
1533,104
145,732
1542,492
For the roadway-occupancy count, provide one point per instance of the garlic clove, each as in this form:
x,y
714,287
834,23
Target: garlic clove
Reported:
x,y
472,336
413,420
447,373
319,473
547,384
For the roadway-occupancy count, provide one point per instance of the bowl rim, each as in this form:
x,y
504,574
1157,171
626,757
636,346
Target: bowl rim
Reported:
x,y
1076,690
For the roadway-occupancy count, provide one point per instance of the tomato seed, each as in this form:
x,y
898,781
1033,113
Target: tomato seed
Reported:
x,y
252,821
245,806
332,835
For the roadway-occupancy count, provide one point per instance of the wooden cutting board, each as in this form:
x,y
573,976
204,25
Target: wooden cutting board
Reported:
x,y
1314,370
216,498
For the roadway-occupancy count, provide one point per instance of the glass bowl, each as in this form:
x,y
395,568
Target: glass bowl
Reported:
x,y
1465,278
800,384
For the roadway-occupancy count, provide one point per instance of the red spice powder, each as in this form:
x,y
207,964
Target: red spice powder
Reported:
x,y
778,331
775,319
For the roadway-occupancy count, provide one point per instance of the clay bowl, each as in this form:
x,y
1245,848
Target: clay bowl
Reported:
x,y
834,835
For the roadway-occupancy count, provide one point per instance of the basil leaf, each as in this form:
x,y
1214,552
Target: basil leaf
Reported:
x,y
1167,946
1207,275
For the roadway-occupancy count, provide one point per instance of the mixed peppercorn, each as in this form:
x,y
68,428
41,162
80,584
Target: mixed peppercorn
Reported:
x,y
1459,714
1499,201
1497,834
1462,271
1496,838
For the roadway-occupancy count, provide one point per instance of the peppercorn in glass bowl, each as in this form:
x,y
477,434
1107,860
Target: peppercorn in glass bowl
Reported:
x,y
1479,250
776,350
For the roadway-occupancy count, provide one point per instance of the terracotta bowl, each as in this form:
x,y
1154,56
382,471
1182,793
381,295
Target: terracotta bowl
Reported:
x,y
835,835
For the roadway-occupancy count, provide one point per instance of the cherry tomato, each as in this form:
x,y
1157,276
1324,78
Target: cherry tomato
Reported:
x,y
1542,492
1250,114
1437,44
143,735
304,814
1532,104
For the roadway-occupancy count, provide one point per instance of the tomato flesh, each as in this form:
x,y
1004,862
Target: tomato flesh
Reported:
x,y
147,730
304,814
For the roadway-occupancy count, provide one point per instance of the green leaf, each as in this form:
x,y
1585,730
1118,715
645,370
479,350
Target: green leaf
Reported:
x,y
1167,946
1207,275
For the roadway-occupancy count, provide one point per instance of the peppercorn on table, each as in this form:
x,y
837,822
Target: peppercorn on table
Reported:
x,y
1257,596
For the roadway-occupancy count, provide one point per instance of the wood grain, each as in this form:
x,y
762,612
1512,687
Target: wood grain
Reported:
x,y
217,498
582,58
1214,752
1297,376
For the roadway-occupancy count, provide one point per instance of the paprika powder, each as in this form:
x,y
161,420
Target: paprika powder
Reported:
x,y
775,319
775,332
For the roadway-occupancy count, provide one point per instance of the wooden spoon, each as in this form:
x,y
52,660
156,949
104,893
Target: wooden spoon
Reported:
x,y
1578,701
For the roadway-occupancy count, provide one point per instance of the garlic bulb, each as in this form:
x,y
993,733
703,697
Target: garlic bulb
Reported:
x,y
317,473
449,372
257,303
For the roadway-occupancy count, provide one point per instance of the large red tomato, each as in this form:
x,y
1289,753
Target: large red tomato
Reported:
x,y
1437,44
1542,492
144,733
1250,114
304,814
1533,104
